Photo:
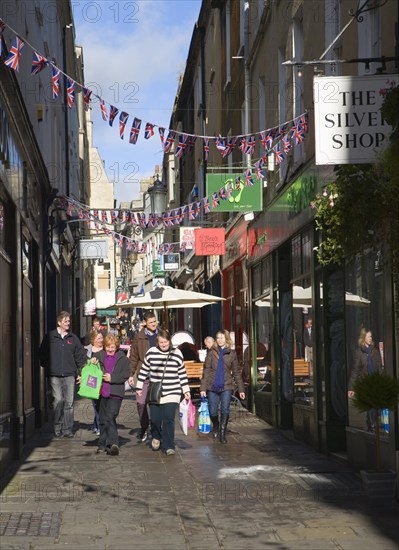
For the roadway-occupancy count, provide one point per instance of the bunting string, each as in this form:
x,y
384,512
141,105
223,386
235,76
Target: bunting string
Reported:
x,y
278,139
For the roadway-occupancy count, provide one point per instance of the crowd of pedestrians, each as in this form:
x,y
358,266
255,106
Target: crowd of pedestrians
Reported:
x,y
154,363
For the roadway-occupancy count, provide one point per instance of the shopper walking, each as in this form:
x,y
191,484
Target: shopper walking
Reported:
x,y
115,366
96,345
221,371
164,363
146,338
62,354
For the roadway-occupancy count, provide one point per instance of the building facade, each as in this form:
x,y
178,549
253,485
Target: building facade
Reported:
x,y
41,157
236,83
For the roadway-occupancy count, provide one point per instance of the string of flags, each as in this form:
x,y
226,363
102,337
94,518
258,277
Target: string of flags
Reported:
x,y
278,140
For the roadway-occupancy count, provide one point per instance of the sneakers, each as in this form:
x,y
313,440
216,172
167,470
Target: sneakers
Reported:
x,y
114,450
100,450
170,452
155,444
97,432
142,436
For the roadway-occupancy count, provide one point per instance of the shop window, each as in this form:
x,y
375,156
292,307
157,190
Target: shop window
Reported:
x,y
263,326
365,330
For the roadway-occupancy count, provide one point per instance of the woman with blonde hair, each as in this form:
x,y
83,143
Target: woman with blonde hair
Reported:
x,y
221,370
116,371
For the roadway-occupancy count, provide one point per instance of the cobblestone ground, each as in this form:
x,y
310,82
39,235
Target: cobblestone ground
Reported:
x,y
261,490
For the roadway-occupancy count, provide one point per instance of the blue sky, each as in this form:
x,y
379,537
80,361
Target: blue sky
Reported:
x,y
133,54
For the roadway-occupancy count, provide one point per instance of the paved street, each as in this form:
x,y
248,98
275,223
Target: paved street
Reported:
x,y
261,490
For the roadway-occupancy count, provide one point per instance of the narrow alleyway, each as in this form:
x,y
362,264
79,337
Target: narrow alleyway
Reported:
x,y
261,490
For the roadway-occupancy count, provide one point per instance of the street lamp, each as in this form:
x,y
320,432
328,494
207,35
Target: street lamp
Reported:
x,y
157,194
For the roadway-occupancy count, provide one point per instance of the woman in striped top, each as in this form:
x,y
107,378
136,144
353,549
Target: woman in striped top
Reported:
x,y
158,359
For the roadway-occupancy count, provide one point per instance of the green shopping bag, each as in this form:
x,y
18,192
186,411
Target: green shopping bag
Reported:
x,y
91,380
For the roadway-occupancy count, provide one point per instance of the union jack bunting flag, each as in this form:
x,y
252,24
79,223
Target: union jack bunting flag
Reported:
x,y
167,146
12,59
143,248
243,144
223,193
286,144
279,155
55,81
191,212
135,130
231,143
207,206
70,207
238,183
113,111
104,216
248,178
197,208
114,216
304,122
297,133
215,200
259,172
270,138
162,135
183,246
170,218
160,249
120,240
142,220
128,244
149,131
263,140
38,63
183,212
165,219
96,214
152,221
229,189
70,92
281,131
103,110
176,216
167,248
88,218
250,145
86,98
190,142
2,27
206,148
132,219
220,144
122,123
181,146
81,214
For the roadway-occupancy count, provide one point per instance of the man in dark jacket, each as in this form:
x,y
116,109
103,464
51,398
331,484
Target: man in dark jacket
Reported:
x,y
61,354
146,338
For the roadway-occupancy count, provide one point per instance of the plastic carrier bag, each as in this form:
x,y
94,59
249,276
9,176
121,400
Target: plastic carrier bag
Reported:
x,y
90,381
204,420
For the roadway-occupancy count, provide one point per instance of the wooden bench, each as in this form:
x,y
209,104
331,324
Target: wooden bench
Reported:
x,y
301,371
194,373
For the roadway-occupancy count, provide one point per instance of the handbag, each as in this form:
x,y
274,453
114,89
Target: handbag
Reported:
x,y
155,388
91,381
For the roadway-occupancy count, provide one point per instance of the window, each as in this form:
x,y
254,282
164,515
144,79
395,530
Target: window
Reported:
x,y
263,326
104,277
332,29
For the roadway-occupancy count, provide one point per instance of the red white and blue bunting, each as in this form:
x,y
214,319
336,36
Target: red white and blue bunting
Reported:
x,y
278,140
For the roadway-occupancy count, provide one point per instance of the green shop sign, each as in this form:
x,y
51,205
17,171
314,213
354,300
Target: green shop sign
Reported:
x,y
239,197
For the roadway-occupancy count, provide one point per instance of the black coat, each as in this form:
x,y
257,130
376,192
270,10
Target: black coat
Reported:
x,y
62,356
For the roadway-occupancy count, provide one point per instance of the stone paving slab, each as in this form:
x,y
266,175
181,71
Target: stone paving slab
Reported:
x,y
261,490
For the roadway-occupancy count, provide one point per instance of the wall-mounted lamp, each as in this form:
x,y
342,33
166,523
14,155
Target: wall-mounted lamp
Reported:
x,y
300,73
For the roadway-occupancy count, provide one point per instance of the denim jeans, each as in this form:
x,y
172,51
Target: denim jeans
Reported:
x,y
214,398
63,390
109,411
163,424
142,408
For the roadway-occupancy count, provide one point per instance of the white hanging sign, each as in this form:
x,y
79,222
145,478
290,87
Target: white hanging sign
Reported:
x,y
349,127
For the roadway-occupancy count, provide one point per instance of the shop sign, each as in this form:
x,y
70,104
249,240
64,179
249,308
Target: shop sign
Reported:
x,y
239,197
156,269
209,242
187,237
349,127
170,262
89,307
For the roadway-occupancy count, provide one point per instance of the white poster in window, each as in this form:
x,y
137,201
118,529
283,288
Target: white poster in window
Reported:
x,y
349,127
